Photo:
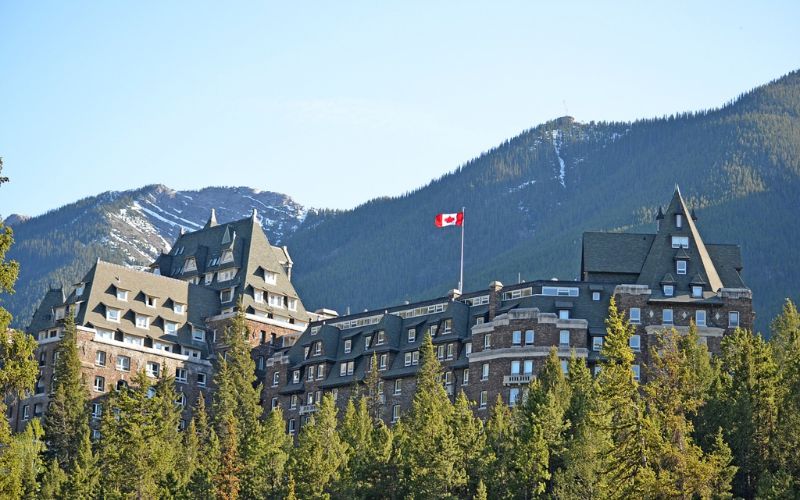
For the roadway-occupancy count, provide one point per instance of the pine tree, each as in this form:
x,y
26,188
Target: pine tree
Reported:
x,y
319,458
627,467
472,449
480,492
270,458
371,385
84,479
369,446
430,451
201,482
67,413
53,481
500,450
227,479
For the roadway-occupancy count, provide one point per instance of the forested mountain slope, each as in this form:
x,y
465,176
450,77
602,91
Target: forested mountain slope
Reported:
x,y
528,201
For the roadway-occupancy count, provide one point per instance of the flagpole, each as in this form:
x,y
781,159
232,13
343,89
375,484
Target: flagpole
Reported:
x,y
463,222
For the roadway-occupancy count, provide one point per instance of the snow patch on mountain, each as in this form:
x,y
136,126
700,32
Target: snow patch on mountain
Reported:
x,y
556,137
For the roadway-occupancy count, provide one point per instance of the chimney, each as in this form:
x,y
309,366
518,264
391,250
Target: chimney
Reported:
x,y
454,294
495,289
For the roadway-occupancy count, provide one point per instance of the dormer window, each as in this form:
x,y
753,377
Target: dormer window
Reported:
x,y
112,315
142,321
226,295
381,338
448,326
179,308
199,335
227,256
79,289
680,266
275,300
122,295
270,277
170,327
190,265
226,275
59,313
209,277
296,377
563,314
258,296
697,291
678,220
680,242
150,301
669,290
317,348
292,304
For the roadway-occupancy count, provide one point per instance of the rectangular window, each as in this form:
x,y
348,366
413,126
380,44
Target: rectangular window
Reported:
x,y
208,278
296,377
317,348
465,378
636,372
123,363
528,367
292,304
100,358
412,335
99,383
450,351
275,300
201,379
192,353
320,372
680,242
563,314
270,277
468,348
153,369
485,371
595,296
597,343
700,318
150,301
733,319
381,338
529,337
310,373
122,295
398,386
142,321
112,315
432,330
160,346
516,337
367,341
170,328
666,316
415,358
408,359
133,340
487,341
448,326
291,426
351,365
384,362
678,220
697,291
680,266
226,295
635,342
513,394
26,412
395,413
669,290
274,403
180,375
226,275
348,346
293,402
564,365
440,351
97,410
563,338
448,378
258,296
484,399
276,378
635,315
515,367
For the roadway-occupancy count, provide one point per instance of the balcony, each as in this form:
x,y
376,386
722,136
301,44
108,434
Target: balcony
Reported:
x,y
517,379
307,409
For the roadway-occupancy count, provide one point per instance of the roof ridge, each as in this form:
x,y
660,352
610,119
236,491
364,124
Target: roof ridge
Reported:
x,y
155,276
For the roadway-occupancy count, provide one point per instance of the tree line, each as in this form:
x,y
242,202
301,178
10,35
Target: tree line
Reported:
x,y
698,427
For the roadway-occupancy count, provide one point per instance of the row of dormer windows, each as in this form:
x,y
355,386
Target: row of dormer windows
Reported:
x,y
667,317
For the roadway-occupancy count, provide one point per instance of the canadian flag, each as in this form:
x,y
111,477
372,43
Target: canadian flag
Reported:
x,y
456,219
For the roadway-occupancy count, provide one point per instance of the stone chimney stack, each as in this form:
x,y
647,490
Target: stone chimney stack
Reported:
x,y
495,289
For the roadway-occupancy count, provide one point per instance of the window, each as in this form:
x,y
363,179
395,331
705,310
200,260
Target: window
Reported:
x,y
79,289
292,304
636,372
276,377
122,295
440,351
199,335
260,363
487,341
275,300
274,403
468,348
150,301
415,358
258,296
59,313
180,375
26,414
348,346
296,377
635,315
320,372
465,378
513,394
398,386
564,366
160,346
142,321
529,337
381,338
516,337
448,378
697,291
450,351
515,367
680,242
733,319
270,277
635,342
293,401
181,400
153,369
597,343
563,314
227,256
291,426
560,291
208,278
99,383
484,399
563,338
485,371
170,328
310,398
595,296
666,316
383,363
226,275
412,335
100,358
97,410
367,341
317,348
680,267
42,358
669,290
112,315
190,265
432,330
310,373
678,220
408,359
700,318
448,326
226,295
123,363
351,366
479,320
395,413
201,379
528,367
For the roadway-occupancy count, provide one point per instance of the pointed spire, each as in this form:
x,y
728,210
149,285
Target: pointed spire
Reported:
x,y
212,220
660,214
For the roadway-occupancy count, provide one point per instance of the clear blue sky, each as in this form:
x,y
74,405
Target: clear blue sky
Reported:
x,y
335,103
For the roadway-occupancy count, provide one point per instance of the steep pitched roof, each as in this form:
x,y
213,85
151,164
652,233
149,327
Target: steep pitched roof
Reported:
x,y
615,252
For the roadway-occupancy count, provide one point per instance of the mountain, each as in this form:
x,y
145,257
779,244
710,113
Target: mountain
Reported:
x,y
14,219
527,201
129,227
